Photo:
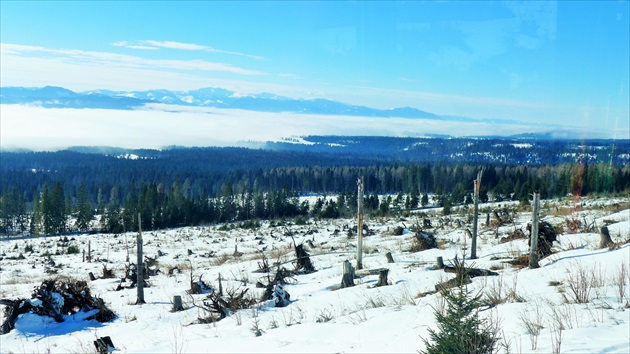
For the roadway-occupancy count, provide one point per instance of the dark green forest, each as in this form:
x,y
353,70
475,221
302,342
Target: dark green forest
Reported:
x,y
105,191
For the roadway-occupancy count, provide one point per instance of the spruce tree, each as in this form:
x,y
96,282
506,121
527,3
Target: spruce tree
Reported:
x,y
36,216
460,329
85,213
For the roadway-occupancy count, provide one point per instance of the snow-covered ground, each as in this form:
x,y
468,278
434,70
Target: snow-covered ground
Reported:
x,y
321,317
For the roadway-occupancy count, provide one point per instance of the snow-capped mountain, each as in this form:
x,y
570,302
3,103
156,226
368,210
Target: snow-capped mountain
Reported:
x,y
57,97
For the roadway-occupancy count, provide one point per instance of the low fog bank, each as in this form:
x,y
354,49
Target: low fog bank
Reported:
x,y
157,126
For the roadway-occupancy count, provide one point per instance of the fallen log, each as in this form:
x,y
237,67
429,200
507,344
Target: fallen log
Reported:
x,y
471,272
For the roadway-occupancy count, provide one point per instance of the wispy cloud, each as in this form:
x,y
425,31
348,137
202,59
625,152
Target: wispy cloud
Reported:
x,y
406,79
154,45
120,60
133,46
175,45
290,76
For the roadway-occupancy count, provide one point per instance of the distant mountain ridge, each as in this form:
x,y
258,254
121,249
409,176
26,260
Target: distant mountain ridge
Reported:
x,y
58,97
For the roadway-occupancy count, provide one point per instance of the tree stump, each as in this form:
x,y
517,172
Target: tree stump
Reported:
x,y
604,238
177,303
104,345
390,259
347,280
303,259
440,263
92,277
382,277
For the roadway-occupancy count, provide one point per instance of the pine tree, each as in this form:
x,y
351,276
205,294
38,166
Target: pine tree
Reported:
x,y
85,213
425,200
460,329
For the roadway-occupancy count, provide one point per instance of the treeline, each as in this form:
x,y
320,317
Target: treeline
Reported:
x,y
249,194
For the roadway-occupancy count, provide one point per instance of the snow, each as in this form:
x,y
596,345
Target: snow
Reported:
x,y
321,317
522,146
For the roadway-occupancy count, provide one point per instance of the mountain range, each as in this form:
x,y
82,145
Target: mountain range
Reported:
x,y
58,97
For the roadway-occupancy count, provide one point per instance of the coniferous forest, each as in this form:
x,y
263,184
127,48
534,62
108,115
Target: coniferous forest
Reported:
x,y
104,189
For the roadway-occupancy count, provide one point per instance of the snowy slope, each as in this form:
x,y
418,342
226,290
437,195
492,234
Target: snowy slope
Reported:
x,y
323,318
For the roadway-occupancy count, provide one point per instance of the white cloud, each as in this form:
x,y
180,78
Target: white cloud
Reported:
x,y
107,59
291,76
154,45
175,45
126,44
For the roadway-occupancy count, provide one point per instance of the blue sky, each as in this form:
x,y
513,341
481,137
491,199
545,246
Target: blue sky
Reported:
x,y
554,62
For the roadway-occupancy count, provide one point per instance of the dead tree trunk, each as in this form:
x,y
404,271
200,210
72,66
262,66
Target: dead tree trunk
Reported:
x,y
533,254
140,268
473,246
220,286
604,238
360,224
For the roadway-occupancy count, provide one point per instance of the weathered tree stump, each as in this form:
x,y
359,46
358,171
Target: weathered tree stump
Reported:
x,y
303,259
604,238
440,263
390,259
92,277
347,280
104,345
177,303
382,278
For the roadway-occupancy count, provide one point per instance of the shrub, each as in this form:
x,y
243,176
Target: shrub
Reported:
x,y
300,221
72,250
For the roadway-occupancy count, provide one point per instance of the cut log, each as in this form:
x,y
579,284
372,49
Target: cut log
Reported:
x,y
364,272
452,283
